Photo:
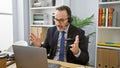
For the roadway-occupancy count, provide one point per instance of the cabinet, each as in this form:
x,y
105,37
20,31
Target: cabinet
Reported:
x,y
42,14
108,34
107,58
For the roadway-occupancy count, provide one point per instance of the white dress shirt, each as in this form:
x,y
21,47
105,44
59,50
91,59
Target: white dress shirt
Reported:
x,y
58,46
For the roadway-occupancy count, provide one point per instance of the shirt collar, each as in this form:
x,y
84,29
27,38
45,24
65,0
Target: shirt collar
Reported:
x,y
66,30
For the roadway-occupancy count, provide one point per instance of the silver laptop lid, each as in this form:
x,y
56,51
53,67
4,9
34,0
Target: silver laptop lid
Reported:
x,y
30,57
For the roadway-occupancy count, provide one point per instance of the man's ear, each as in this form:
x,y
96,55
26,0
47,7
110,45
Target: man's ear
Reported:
x,y
70,19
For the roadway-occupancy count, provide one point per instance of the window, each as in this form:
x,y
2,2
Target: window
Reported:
x,y
6,24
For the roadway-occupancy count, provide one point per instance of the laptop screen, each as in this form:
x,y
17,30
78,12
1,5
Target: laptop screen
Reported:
x,y
30,57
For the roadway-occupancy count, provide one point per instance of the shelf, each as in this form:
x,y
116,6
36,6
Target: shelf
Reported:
x,y
108,27
44,25
42,15
51,7
108,33
108,47
105,3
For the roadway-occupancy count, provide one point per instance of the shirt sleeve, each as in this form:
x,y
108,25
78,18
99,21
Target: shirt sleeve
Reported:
x,y
77,55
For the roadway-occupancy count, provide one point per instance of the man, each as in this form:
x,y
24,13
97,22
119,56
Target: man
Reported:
x,y
74,49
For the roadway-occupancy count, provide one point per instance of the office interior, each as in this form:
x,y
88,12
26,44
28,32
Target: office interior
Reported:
x,y
19,27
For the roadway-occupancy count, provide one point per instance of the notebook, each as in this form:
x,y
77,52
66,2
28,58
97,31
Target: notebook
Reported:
x,y
31,57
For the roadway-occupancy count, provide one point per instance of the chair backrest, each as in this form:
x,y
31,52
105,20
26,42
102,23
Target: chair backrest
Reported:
x,y
87,40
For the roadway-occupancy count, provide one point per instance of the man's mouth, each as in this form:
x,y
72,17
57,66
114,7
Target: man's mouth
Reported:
x,y
59,26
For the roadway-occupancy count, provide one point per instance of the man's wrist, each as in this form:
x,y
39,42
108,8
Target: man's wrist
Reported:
x,y
79,52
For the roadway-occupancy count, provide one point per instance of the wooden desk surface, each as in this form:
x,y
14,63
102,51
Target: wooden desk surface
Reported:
x,y
63,65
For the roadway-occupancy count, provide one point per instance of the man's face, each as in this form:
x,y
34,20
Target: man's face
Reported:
x,y
61,20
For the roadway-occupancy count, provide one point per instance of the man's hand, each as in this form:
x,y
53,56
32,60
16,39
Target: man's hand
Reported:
x,y
75,46
36,40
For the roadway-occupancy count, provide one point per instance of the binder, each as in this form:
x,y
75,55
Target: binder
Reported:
x,y
99,58
114,59
43,30
105,58
34,30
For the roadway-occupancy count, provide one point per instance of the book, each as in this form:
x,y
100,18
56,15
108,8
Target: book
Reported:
x,y
114,58
110,15
118,19
99,58
106,21
113,0
112,44
53,2
100,17
108,0
114,19
104,0
34,30
103,16
105,58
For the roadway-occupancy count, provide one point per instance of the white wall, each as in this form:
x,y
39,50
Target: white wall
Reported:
x,y
6,24
12,30
6,31
83,9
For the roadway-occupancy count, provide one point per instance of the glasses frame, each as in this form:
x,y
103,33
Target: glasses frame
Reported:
x,y
60,20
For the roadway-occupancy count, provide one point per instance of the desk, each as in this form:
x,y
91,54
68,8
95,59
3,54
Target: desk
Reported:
x,y
63,65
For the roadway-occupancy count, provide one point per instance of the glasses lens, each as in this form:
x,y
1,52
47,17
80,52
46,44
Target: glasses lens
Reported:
x,y
60,20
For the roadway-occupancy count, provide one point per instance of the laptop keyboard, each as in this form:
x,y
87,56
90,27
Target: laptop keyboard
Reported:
x,y
53,65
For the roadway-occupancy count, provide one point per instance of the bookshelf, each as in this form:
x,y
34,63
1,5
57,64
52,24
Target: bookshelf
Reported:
x,y
42,14
108,32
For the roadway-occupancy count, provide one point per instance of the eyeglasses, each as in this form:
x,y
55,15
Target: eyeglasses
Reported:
x,y
60,20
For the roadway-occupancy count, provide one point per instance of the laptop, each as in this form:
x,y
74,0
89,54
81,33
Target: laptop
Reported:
x,y
31,57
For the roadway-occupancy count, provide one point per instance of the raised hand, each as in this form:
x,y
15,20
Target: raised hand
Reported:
x,y
36,40
75,46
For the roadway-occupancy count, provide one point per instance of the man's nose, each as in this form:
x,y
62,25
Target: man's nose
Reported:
x,y
58,22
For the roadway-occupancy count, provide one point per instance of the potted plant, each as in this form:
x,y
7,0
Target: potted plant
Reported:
x,y
82,23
